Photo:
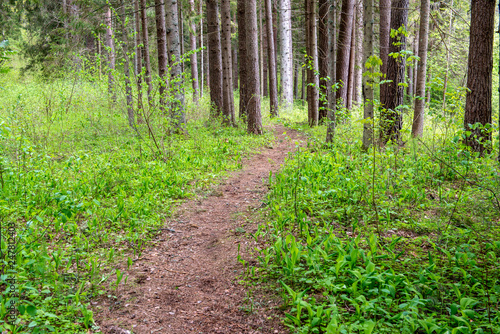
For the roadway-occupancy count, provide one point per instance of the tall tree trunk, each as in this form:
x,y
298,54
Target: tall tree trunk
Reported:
x,y
384,33
271,58
445,85
296,81
419,111
253,84
323,60
111,54
202,62
174,53
358,70
312,53
265,76
214,58
352,63
303,86
242,48
234,48
181,30
161,39
194,56
391,121
332,53
227,64
128,86
138,69
478,108
344,49
261,50
286,52
368,94
145,41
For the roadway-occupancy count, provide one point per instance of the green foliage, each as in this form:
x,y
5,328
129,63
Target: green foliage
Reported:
x,y
403,242
87,192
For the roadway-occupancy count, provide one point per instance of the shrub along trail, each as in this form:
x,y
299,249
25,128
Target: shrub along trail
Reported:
x,y
188,282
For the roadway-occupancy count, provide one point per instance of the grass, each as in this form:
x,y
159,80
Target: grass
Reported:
x,y
393,240
85,192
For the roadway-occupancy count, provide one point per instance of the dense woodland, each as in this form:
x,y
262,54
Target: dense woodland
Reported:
x,y
384,217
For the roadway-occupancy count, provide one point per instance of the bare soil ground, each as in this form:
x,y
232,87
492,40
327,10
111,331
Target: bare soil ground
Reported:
x,y
189,281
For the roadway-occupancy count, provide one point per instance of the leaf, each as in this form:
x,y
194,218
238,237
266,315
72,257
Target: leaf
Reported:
x,y
31,310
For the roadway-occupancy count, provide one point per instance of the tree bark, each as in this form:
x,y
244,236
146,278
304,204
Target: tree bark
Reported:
x,y
138,69
271,58
242,29
128,86
344,49
384,33
161,39
202,61
478,107
352,63
312,53
180,19
391,121
358,69
419,111
368,94
194,56
265,76
227,65
332,96
286,52
145,41
296,81
214,58
174,54
253,84
323,59
261,50
234,48
111,54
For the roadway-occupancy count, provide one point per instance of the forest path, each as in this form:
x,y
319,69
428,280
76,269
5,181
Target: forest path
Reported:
x,y
188,281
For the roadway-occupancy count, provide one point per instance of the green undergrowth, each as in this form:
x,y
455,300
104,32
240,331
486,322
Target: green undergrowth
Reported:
x,y
393,240
85,191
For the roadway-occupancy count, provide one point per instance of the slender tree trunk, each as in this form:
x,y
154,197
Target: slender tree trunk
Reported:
x,y
352,63
344,49
174,52
323,59
332,96
303,86
445,85
227,74
194,56
265,76
254,112
384,33
271,58
419,111
368,94
202,61
234,47
214,58
391,121
261,50
358,70
111,54
312,53
181,30
161,39
296,81
286,52
128,86
478,107
145,41
138,69
242,48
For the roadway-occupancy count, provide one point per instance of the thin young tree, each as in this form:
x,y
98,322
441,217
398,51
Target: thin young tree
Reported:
x,y
138,69
344,49
352,62
254,118
126,68
323,59
286,52
368,93
242,50
312,65
417,129
194,55
174,55
227,71
111,53
332,53
202,61
161,40
145,53
391,118
384,35
478,107
271,57
214,58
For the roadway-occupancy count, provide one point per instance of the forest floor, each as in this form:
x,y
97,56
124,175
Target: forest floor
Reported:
x,y
188,282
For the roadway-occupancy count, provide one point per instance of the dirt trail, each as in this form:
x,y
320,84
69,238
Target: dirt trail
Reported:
x,y
187,283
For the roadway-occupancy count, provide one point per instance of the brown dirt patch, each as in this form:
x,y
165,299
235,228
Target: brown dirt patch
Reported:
x,y
188,282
